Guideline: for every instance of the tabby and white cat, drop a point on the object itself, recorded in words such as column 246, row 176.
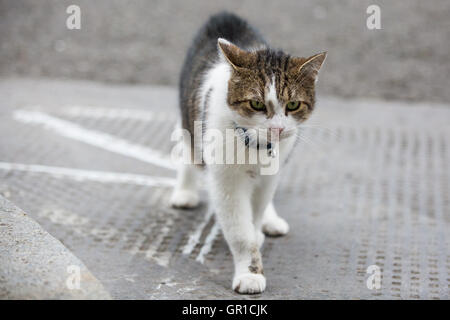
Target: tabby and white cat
column 231, row 79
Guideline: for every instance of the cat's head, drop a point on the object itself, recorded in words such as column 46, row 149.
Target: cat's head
column 270, row 89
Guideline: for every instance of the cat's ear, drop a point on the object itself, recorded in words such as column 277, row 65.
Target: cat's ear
column 309, row 66
column 235, row 56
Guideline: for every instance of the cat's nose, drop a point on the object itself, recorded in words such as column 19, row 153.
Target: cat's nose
column 277, row 129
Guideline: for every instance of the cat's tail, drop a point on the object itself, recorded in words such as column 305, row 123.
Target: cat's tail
column 231, row 27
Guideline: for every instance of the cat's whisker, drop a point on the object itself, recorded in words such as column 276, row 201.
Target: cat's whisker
column 315, row 146
column 329, row 131
column 312, row 137
column 309, row 144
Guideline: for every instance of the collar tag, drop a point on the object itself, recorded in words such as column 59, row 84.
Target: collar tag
column 271, row 153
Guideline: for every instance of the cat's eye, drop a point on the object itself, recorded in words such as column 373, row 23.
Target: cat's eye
column 293, row 105
column 257, row 105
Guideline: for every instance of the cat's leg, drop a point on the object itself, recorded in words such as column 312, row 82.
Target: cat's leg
column 185, row 194
column 272, row 223
column 231, row 196
column 261, row 200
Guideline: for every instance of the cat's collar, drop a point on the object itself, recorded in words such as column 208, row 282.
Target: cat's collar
column 251, row 143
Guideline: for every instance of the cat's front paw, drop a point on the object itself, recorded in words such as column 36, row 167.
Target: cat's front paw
column 249, row 283
column 184, row 199
column 275, row 226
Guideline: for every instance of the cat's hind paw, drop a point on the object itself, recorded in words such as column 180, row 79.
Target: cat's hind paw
column 275, row 226
column 184, row 199
column 249, row 283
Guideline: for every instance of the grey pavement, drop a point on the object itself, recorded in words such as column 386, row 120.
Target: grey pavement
column 145, row 41
column 35, row 265
column 367, row 186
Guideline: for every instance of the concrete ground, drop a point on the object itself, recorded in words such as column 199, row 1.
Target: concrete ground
column 367, row 189
column 35, row 265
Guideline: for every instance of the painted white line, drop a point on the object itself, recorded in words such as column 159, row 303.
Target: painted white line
column 95, row 138
column 112, row 113
column 195, row 236
column 209, row 241
column 89, row 175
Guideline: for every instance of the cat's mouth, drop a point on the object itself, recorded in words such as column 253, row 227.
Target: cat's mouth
column 263, row 134
column 261, row 138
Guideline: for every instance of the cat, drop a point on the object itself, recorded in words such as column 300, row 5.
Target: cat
column 232, row 80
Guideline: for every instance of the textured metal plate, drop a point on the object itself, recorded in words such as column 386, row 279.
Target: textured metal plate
column 367, row 185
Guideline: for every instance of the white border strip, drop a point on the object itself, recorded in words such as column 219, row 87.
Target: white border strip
column 195, row 236
column 95, row 138
column 112, row 113
column 209, row 241
column 90, row 175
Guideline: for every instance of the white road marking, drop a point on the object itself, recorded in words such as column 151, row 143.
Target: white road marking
column 209, row 241
column 195, row 236
column 95, row 138
column 112, row 113
column 108, row 142
column 90, row 175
